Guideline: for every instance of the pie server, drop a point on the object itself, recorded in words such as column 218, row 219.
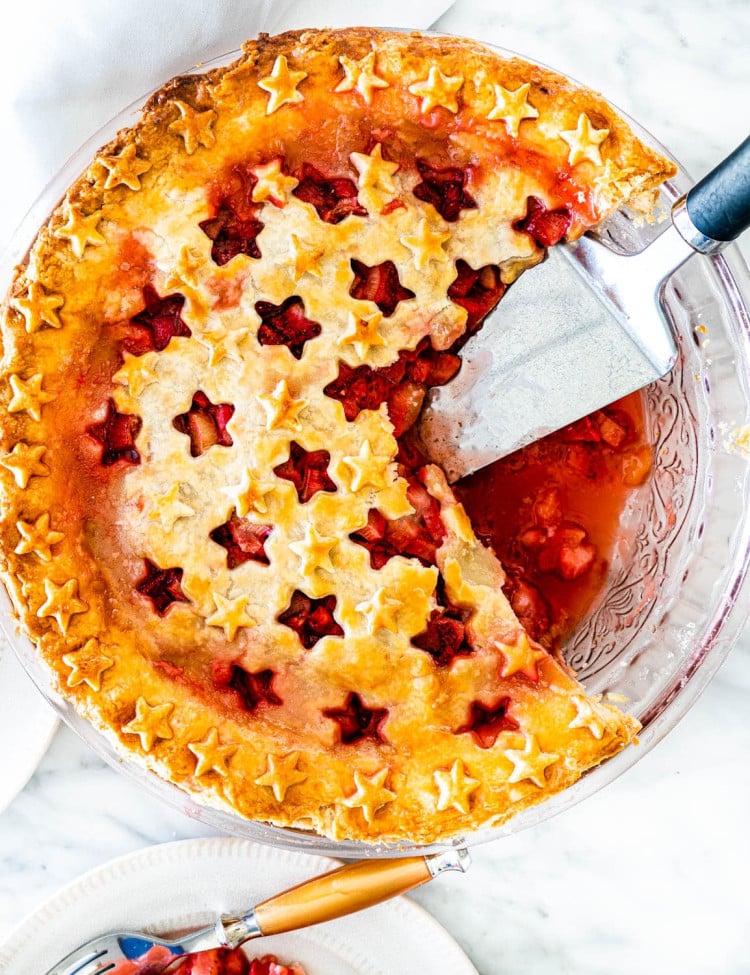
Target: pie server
column 577, row 332
column 345, row 890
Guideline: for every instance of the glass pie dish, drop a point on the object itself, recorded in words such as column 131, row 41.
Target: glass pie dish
column 670, row 608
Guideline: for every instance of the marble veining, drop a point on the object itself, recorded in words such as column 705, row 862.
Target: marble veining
column 650, row 875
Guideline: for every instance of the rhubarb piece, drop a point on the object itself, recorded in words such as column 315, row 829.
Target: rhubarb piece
column 286, row 324
column 205, row 423
column 545, row 227
column 307, row 470
column 311, row 619
column 116, row 433
column 243, row 540
column 333, row 199
column 444, row 189
column 380, row 284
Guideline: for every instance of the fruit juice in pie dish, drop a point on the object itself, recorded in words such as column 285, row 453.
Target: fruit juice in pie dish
column 237, row 570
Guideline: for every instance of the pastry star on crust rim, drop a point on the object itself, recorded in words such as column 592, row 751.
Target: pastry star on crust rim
column 314, row 551
column 529, row 762
column 230, row 615
column 454, row 788
column 512, row 107
column 282, row 773
column 137, row 372
column 360, row 76
column 79, row 230
column 363, row 333
column 282, row 410
column 281, row 85
column 87, row 664
column 425, row 244
column 25, row 461
column 28, row 395
column 584, row 141
column 37, row 538
column 375, row 182
column 61, row 603
column 380, row 611
column 193, row 126
column 587, row 716
column 211, row 756
column 366, row 468
column 126, row 168
column 438, row 89
column 272, row 184
column 38, row 307
column 150, row 723
column 371, row 794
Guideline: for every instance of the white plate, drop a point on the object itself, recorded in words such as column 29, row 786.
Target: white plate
column 27, row 724
column 181, row 885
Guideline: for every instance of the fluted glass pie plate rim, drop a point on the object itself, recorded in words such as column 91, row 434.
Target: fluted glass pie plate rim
column 702, row 657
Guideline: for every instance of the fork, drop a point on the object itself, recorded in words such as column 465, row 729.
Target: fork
column 345, row 890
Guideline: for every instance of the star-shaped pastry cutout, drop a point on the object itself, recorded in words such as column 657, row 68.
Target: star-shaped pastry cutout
column 196, row 128
column 186, row 270
column 368, row 469
column 282, row 774
column 169, row 508
column 211, row 755
column 28, row 395
column 150, row 723
column 437, row 89
column 512, row 107
column 25, row 462
column 376, row 186
column 137, row 372
column 314, row 551
column 281, row 85
column 61, row 603
column 38, row 307
column 230, row 615
column 426, row 244
column 87, row 665
column 584, row 141
column 222, row 343
column 520, row 657
column 360, row 76
column 587, row 716
column 303, row 258
column 529, row 762
column 37, row 538
column 78, row 229
column 250, row 494
column 282, row 410
column 370, row 794
column 125, row 168
column 273, row 185
column 363, row 333
column 454, row 788
column 380, row 612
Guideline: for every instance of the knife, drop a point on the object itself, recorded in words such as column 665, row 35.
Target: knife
column 578, row 331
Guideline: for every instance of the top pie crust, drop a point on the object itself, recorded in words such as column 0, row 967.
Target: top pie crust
column 362, row 734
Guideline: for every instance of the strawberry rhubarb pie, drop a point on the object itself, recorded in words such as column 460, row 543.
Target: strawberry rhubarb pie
column 217, row 527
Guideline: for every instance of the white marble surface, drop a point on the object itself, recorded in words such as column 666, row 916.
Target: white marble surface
column 651, row 874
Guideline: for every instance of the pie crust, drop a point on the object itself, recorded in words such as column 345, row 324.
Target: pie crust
column 203, row 499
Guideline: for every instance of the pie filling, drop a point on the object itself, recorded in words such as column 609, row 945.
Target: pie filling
column 218, row 525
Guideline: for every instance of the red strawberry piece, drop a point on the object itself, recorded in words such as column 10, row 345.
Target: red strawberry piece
column 205, row 423
column 158, row 323
column 162, row 586
column 528, row 604
column 250, row 690
column 478, row 291
column 444, row 189
column 286, row 324
column 356, row 721
column 379, row 283
column 427, row 509
column 231, row 236
column 404, row 404
column 243, row 540
column 307, row 470
column 311, row 619
column 486, row 722
column 444, row 637
column 407, row 536
column 333, row 199
column 545, row 227
column 116, row 433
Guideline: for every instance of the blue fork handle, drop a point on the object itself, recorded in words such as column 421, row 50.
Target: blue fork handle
column 719, row 205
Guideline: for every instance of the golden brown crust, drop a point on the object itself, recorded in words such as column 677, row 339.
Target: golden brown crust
column 362, row 105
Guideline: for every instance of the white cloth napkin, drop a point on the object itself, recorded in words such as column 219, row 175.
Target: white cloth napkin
column 70, row 65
